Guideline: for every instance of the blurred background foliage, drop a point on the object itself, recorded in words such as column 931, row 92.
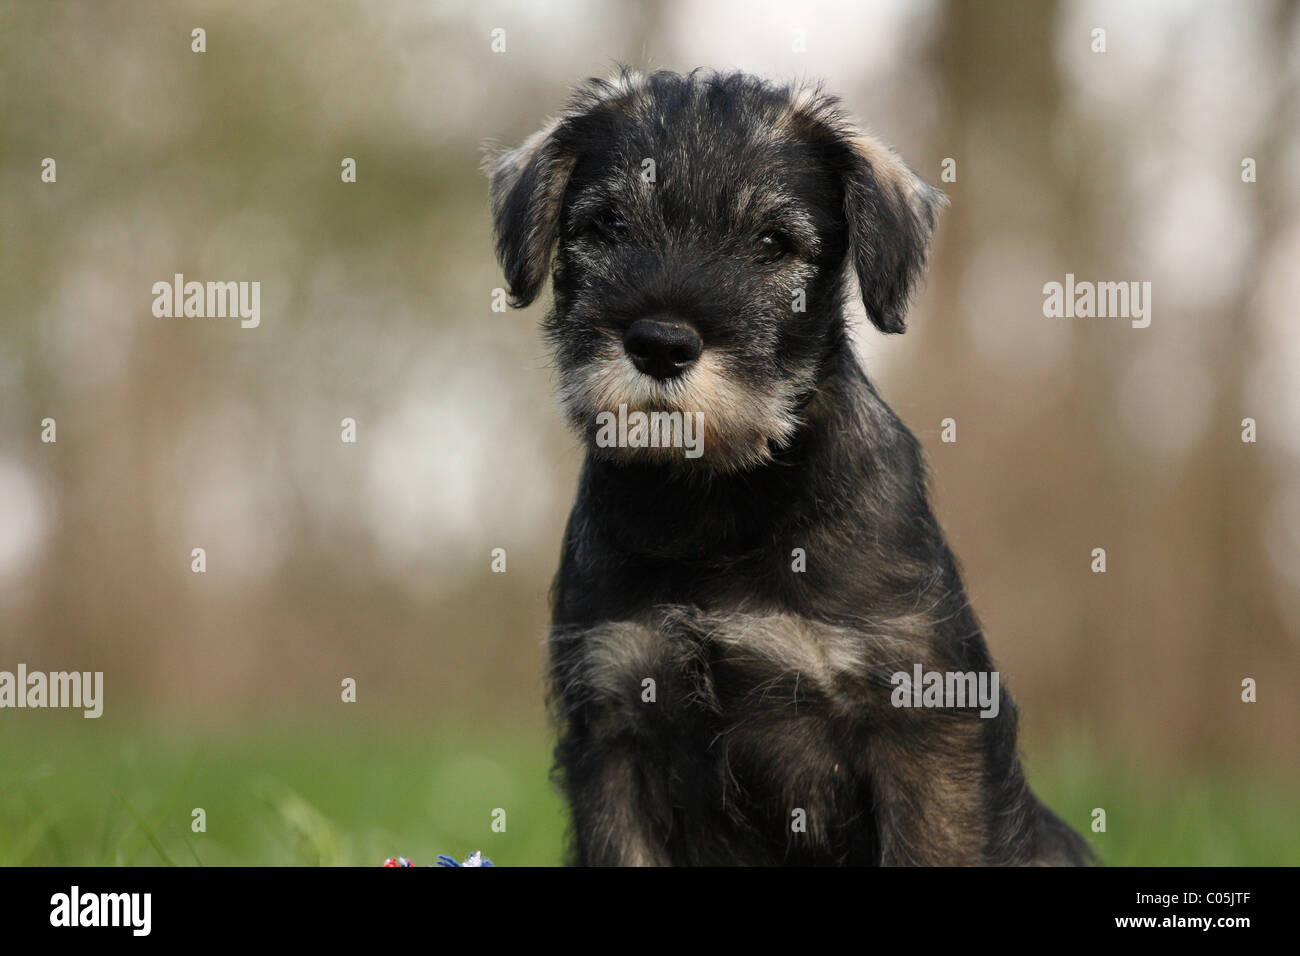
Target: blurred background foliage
column 328, row 560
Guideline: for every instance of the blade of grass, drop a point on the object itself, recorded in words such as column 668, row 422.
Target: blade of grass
column 146, row 830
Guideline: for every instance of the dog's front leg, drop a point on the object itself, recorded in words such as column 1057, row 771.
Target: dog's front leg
column 927, row 786
column 620, row 811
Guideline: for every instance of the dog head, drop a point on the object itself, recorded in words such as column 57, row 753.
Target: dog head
column 699, row 227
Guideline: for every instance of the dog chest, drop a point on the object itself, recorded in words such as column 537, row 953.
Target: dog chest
column 760, row 682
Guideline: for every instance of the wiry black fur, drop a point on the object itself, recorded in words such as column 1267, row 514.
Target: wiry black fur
column 771, row 688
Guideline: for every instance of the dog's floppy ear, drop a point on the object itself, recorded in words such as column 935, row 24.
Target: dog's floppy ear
column 890, row 213
column 527, row 188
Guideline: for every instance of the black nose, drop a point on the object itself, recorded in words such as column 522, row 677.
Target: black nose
column 662, row 348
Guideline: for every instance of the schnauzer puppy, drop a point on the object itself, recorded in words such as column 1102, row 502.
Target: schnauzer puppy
column 754, row 645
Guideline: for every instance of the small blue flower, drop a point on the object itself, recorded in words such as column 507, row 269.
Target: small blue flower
column 474, row 859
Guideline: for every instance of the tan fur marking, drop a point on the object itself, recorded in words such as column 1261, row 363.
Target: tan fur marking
column 740, row 424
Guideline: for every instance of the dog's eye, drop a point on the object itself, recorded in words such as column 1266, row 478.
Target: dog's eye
column 606, row 225
column 772, row 246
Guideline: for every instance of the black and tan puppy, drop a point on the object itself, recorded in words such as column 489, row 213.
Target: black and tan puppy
column 752, row 579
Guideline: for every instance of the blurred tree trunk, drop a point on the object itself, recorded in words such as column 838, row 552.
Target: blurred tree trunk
column 1004, row 105
column 1247, row 635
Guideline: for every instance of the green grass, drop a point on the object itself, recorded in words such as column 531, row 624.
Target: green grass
column 71, row 793
column 327, row 796
column 1157, row 816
